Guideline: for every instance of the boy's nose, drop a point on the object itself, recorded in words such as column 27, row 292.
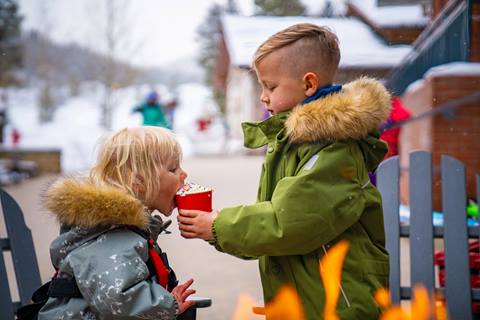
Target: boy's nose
column 264, row 98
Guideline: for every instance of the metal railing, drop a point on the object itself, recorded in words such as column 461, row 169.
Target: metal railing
column 446, row 39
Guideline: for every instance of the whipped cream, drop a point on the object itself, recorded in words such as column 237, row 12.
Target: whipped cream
column 190, row 188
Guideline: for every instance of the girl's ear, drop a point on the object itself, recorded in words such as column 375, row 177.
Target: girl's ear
column 310, row 83
column 139, row 186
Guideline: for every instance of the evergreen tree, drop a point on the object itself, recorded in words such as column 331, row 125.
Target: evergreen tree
column 10, row 50
column 279, row 7
column 209, row 34
column 327, row 10
column 231, row 7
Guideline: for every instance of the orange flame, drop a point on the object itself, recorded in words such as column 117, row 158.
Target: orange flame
column 382, row 297
column 285, row 306
column 396, row 313
column 331, row 272
column 422, row 306
column 244, row 305
column 440, row 308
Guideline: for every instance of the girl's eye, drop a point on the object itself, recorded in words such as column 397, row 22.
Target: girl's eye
column 173, row 170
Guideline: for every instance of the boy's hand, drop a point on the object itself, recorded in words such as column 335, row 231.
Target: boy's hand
column 181, row 292
column 196, row 224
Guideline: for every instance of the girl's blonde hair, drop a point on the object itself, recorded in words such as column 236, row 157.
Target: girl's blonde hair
column 132, row 159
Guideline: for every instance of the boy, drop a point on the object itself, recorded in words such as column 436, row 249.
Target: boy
column 314, row 187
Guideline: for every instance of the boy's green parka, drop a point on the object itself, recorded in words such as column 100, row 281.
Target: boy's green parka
column 314, row 191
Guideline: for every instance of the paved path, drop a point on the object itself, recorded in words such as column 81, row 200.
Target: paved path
column 217, row 275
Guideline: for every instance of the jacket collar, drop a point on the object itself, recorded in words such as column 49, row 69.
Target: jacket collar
column 258, row 134
column 322, row 92
column 358, row 109
column 82, row 203
column 352, row 113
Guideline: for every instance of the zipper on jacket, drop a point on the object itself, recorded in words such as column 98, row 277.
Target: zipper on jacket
column 340, row 284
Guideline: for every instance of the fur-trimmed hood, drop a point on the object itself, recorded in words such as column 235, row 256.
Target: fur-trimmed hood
column 84, row 204
column 358, row 109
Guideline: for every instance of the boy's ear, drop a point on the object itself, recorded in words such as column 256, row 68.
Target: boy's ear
column 310, row 83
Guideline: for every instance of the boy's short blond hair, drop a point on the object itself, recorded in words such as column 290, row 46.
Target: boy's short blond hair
column 309, row 48
column 132, row 158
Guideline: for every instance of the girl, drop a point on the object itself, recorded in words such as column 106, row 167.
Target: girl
column 107, row 260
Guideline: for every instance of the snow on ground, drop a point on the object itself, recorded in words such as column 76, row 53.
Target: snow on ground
column 76, row 127
column 196, row 102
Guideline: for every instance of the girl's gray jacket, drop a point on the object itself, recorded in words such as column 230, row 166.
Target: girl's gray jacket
column 107, row 262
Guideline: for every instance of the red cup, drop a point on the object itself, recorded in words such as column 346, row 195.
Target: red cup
column 195, row 201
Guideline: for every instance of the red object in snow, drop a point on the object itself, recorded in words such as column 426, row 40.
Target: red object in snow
column 15, row 137
column 391, row 136
column 203, row 124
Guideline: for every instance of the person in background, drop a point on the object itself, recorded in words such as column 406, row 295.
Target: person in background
column 392, row 135
column 153, row 112
column 3, row 114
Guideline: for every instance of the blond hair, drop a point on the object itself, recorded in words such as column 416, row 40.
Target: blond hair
column 132, row 158
column 309, row 48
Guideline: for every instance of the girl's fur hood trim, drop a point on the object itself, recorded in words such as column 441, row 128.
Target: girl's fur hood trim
column 359, row 108
column 82, row 203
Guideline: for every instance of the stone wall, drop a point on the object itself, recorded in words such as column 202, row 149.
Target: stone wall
column 48, row 160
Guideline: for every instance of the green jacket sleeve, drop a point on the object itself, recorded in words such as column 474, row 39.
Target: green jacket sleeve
column 306, row 210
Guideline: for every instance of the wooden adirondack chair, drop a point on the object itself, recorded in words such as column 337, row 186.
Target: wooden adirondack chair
column 421, row 232
column 19, row 242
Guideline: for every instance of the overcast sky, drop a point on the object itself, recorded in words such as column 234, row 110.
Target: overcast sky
column 157, row 32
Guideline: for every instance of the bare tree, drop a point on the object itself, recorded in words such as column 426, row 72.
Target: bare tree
column 112, row 73
column 44, row 64
column 10, row 48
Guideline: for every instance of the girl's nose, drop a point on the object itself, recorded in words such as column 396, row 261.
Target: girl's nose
column 183, row 175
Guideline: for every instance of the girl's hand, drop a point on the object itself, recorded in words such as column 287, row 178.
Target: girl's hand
column 196, row 224
column 181, row 292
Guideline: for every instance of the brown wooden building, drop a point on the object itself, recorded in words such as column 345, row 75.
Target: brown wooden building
column 445, row 101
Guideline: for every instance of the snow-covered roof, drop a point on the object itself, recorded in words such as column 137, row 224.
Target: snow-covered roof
column 455, row 68
column 392, row 16
column 459, row 68
column 359, row 45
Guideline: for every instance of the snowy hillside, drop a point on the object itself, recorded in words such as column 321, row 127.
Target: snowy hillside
column 76, row 130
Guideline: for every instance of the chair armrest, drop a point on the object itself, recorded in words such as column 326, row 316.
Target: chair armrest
column 200, row 302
